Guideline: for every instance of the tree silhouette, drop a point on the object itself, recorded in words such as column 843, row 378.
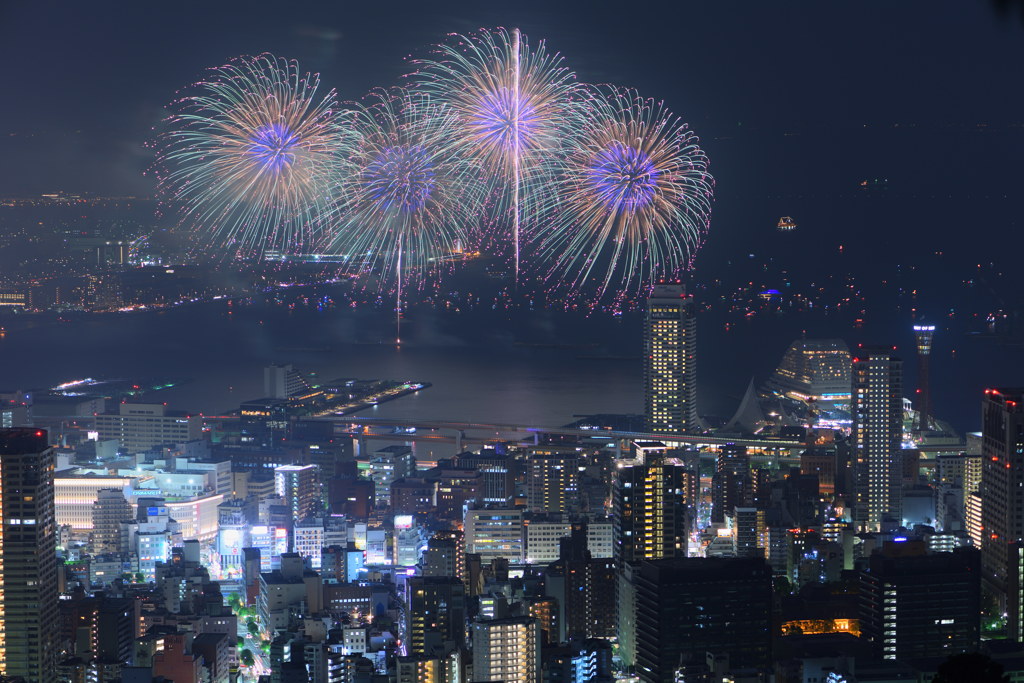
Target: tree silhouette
column 971, row 667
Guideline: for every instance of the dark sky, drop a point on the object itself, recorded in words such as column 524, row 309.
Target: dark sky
column 84, row 83
column 795, row 102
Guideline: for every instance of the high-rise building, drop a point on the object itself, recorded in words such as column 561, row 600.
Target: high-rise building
column 494, row 533
column 552, row 481
column 456, row 488
column 584, row 589
column 650, row 512
column 498, row 474
column 412, row 495
column 670, row 362
column 731, row 485
column 437, row 613
column 650, row 522
column 108, row 512
column 387, row 466
column 750, row 536
column 1002, row 489
column 351, row 496
column 445, row 555
column 141, row 426
column 923, row 334
column 28, row 557
column 282, row 381
column 687, row 607
column 300, row 487
column 915, row 605
column 877, row 436
column 507, row 650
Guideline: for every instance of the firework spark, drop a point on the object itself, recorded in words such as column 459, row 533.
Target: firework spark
column 247, row 156
column 516, row 106
column 633, row 198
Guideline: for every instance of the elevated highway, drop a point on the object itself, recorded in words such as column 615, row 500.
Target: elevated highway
column 523, row 431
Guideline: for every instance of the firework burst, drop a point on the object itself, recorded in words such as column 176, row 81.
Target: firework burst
column 516, row 106
column 633, row 198
column 412, row 197
column 248, row 154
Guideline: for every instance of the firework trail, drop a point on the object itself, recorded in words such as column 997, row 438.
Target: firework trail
column 633, row 198
column 412, row 197
column 516, row 106
column 248, row 154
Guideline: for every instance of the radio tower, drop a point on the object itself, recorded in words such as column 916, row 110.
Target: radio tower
column 924, row 334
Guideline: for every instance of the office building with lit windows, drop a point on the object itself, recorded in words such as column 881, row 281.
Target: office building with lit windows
column 299, row 485
column 670, row 362
column 436, row 617
column 1002, row 493
column 29, row 625
column 552, row 481
column 916, row 605
column 495, row 533
column 877, row 436
column 507, row 650
column 650, row 522
column 688, row 607
column 139, row 427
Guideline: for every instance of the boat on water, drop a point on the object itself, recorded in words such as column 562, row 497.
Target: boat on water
column 786, row 223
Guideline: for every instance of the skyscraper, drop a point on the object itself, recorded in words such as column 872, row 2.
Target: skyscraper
column 28, row 557
column 650, row 512
column 552, row 481
column 923, row 335
column 437, row 613
column 670, row 362
column 901, row 615
column 1002, row 491
column 650, row 523
column 731, row 484
column 300, row 487
column 584, row 589
column 687, row 607
column 877, row 435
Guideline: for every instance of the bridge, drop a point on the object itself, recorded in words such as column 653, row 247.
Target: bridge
column 514, row 431
column 461, row 428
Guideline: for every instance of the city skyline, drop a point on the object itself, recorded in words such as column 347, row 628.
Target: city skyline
column 471, row 380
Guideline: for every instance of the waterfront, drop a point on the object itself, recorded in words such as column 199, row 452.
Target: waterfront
column 524, row 366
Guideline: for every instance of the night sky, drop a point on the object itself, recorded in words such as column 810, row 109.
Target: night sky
column 787, row 97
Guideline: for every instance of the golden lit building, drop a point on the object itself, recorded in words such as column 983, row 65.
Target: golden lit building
column 670, row 362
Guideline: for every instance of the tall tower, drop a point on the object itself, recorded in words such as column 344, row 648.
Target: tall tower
column 878, row 435
column 1002, row 494
column 29, row 627
column 924, row 334
column 670, row 362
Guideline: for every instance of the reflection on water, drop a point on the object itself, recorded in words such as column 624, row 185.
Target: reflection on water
column 538, row 367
